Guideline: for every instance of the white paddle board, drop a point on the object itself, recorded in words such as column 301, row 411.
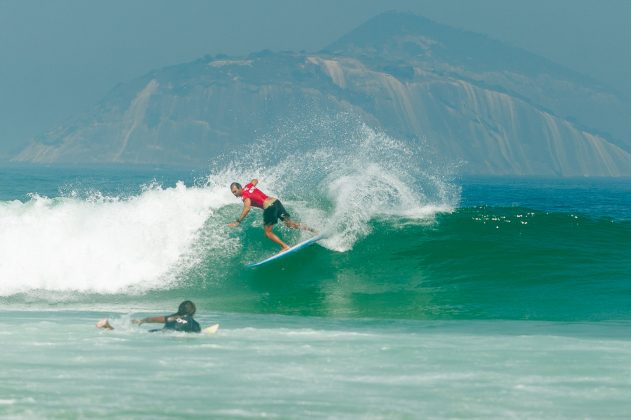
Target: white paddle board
column 211, row 329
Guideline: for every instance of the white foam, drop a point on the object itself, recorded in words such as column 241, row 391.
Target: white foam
column 101, row 244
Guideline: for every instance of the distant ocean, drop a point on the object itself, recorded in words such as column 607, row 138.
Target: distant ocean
column 432, row 296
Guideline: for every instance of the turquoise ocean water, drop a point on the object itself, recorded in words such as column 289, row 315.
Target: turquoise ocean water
column 432, row 296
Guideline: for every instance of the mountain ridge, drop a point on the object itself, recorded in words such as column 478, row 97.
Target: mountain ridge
column 500, row 120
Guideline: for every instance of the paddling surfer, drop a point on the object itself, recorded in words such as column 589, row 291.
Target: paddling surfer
column 181, row 321
column 273, row 210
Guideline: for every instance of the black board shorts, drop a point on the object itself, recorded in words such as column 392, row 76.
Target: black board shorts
column 274, row 212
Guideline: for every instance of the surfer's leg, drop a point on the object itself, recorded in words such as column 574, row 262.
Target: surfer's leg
column 283, row 215
column 291, row 224
column 271, row 235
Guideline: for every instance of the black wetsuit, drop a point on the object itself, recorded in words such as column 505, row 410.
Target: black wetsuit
column 181, row 323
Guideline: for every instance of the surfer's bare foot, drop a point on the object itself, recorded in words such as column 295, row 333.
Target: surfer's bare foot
column 283, row 249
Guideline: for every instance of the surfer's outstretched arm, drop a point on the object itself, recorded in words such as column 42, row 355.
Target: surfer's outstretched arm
column 247, row 205
column 105, row 323
column 151, row 320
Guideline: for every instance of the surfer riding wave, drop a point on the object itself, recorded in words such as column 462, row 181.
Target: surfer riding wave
column 273, row 210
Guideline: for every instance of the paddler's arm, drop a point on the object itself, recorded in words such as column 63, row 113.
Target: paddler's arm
column 254, row 182
column 247, row 205
column 151, row 319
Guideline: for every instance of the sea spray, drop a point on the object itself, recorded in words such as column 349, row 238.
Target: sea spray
column 341, row 174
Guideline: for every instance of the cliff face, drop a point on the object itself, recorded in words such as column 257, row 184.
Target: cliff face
column 500, row 110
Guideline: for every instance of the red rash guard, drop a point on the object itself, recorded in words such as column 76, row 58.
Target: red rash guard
column 255, row 195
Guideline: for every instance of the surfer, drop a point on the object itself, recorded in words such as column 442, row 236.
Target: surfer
column 273, row 210
column 181, row 321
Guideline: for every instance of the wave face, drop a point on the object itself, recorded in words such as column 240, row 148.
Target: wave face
column 400, row 243
column 474, row 263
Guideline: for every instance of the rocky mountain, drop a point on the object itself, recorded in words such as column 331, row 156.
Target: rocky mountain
column 499, row 109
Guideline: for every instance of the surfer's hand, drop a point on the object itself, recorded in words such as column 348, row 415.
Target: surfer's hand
column 233, row 224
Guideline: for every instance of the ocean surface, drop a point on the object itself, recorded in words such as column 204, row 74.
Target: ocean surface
column 431, row 296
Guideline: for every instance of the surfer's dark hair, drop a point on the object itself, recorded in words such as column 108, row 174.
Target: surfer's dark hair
column 235, row 184
column 186, row 308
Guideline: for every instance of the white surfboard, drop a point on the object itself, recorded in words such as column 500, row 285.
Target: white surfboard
column 211, row 329
column 291, row 250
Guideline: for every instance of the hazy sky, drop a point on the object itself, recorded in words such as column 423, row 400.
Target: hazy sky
column 60, row 57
